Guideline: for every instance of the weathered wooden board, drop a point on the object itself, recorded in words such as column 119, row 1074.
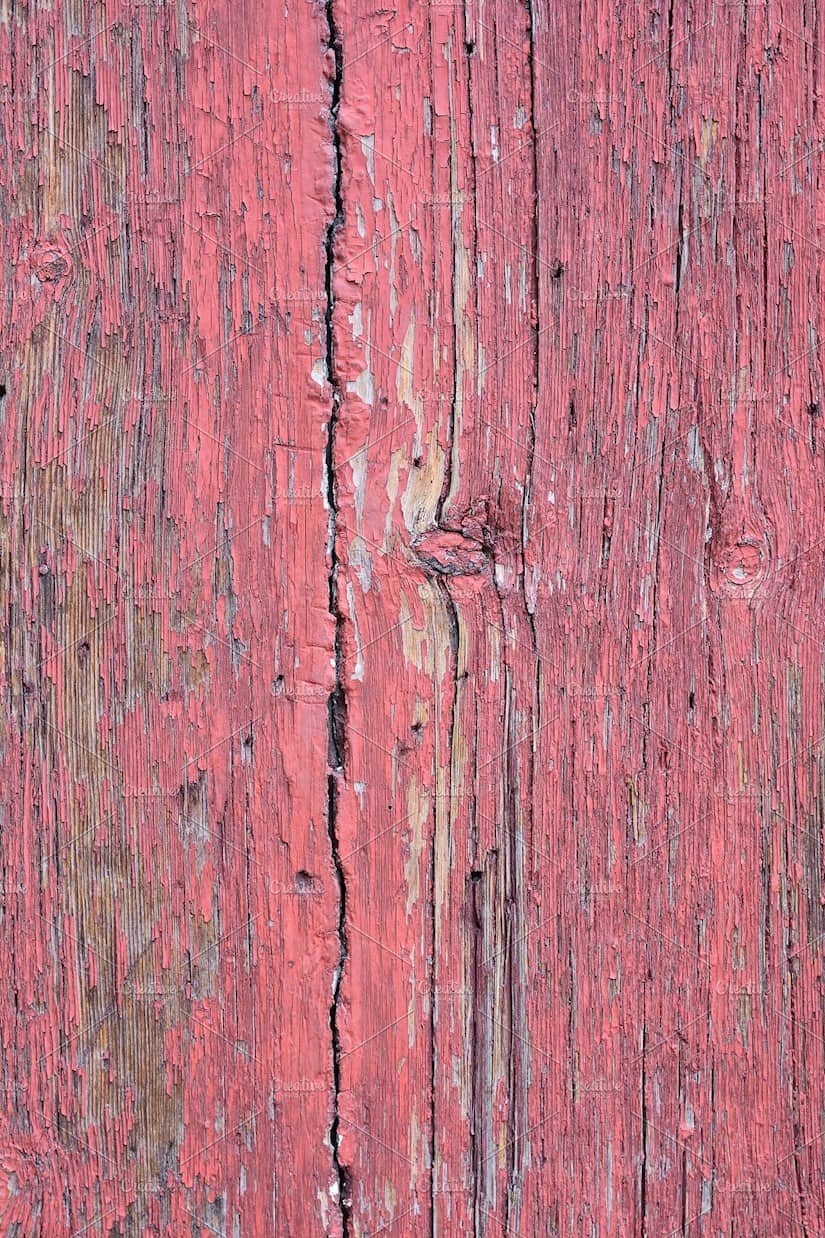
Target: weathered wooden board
column 413, row 558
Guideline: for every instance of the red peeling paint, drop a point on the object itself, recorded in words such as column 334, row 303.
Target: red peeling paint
column 412, row 805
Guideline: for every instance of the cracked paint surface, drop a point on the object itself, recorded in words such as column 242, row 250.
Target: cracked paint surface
column 412, row 801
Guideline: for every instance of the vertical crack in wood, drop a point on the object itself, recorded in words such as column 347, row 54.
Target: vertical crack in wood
column 455, row 643
column 337, row 701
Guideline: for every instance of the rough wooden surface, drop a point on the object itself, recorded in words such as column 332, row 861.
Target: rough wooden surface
column 413, row 467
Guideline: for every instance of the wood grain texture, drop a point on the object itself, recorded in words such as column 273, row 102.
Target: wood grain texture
column 411, row 816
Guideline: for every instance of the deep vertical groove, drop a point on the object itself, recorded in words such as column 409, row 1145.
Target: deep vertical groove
column 337, row 699
column 344, row 1200
column 455, row 644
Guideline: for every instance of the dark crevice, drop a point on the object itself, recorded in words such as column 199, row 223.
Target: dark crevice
column 478, row 914
column 680, row 256
column 344, row 1180
column 337, row 719
column 506, row 884
column 337, row 705
column 455, row 644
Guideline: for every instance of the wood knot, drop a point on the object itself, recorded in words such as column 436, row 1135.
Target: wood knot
column 741, row 567
column 49, row 263
column 450, row 553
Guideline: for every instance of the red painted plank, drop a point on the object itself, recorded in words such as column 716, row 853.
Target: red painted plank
column 411, row 814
